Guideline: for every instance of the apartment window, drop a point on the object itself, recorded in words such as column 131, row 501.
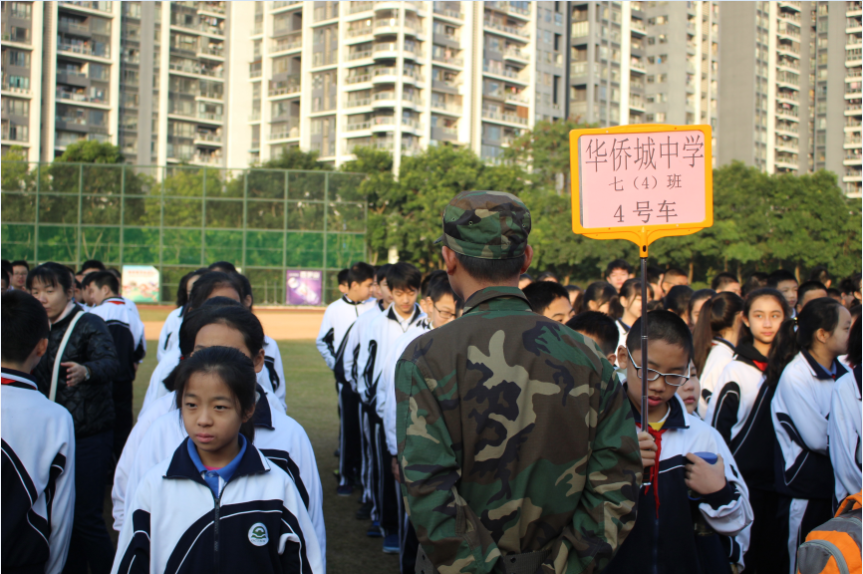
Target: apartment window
column 557, row 38
column 556, row 88
column 21, row 10
column 657, row 20
column 19, row 58
column 658, row 117
column 662, row 38
column 16, row 107
column 18, row 34
column 22, row 82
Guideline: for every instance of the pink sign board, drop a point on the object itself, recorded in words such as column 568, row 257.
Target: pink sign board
column 646, row 178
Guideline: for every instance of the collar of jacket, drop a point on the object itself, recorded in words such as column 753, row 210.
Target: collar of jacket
column 182, row 465
column 820, row 372
column 67, row 315
column 391, row 314
column 726, row 342
column 19, row 379
column 676, row 418
column 114, row 301
column 497, row 299
column 752, row 356
column 349, row 302
column 263, row 416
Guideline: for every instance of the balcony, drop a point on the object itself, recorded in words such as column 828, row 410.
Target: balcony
column 97, row 6
column 517, row 54
column 358, row 102
column 84, row 50
column 360, row 7
column 280, row 5
column 285, row 43
column 358, row 78
column 360, row 31
column 191, row 67
column 506, row 73
column 291, row 131
column 81, row 97
column 518, row 33
column 285, row 87
column 359, row 54
column 446, row 107
column 204, row 138
column 448, row 13
column 509, row 8
column 73, row 28
column 578, row 69
column 637, row 27
column 17, row 90
column 503, row 117
column 580, row 29
column 15, row 133
column 448, row 60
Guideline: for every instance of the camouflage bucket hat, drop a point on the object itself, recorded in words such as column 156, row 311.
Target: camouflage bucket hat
column 486, row 225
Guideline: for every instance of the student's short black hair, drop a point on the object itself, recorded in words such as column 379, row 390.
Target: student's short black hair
column 4, row 264
column 543, row 293
column 572, row 287
column 360, row 272
column 92, row 264
column 404, row 276
column 780, row 275
column 342, row 276
column 525, row 276
column 5, row 276
column 808, row 286
column 50, row 274
column 546, row 275
column 246, row 285
column 222, row 310
column 758, row 280
column 654, row 306
column 598, row 326
column 617, row 264
column 833, row 292
column 819, row 273
column 101, row 279
column 234, row 368
column 654, row 273
column 380, row 272
column 662, row 326
column 115, row 273
column 674, row 272
column 700, row 295
column 208, row 282
column 183, row 287
column 433, row 277
column 677, row 300
column 723, row 279
column 491, row 270
column 439, row 288
column 855, row 343
column 19, row 263
column 223, row 266
column 24, row 324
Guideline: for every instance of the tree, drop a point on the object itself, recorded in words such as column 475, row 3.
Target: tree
column 294, row 158
column 544, row 151
column 91, row 151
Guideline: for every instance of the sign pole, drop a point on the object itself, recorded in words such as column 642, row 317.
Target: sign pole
column 644, row 421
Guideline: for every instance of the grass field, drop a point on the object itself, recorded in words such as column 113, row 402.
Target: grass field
column 311, row 399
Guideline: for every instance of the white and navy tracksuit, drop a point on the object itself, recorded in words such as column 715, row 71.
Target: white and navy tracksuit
column 169, row 337
column 721, row 353
column 664, row 539
column 622, row 332
column 386, row 411
column 277, row 435
column 383, row 333
column 271, row 377
column 844, row 432
column 248, row 518
column 137, row 328
column 804, row 474
column 38, row 477
column 119, row 319
column 338, row 321
column 353, row 371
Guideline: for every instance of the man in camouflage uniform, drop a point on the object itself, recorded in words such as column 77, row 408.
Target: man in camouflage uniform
column 515, row 438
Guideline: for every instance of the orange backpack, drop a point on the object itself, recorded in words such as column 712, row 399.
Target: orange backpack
column 835, row 546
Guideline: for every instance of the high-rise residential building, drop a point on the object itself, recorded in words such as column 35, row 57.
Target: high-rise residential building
column 836, row 73
column 790, row 87
column 21, row 91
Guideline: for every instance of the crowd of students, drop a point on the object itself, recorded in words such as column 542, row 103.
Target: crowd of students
column 214, row 474
column 753, row 426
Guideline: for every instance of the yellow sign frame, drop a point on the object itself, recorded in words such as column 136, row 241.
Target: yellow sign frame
column 641, row 235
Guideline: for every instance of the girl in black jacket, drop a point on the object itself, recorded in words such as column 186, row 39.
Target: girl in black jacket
column 88, row 367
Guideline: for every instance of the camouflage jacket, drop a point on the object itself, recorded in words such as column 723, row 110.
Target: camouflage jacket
column 514, row 436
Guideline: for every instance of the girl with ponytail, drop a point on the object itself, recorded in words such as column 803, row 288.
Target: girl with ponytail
column 715, row 339
column 740, row 410
column 803, row 369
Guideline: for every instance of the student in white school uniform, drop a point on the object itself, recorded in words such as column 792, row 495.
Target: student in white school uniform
column 715, row 338
column 442, row 307
column 171, row 327
column 217, row 503
column 843, row 428
column 687, row 503
column 739, row 410
column 338, row 321
column 245, row 326
column 38, row 485
column 404, row 281
column 804, row 368
column 383, row 299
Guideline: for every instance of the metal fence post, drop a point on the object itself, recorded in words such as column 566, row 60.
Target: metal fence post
column 204, row 219
column 326, row 229
column 80, row 209
column 284, row 277
column 36, row 223
column 161, row 227
column 122, row 210
column 245, row 217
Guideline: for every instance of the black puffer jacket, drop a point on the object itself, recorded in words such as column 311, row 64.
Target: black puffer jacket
column 91, row 345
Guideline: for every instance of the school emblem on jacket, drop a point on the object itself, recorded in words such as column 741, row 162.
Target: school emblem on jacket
column 258, row 534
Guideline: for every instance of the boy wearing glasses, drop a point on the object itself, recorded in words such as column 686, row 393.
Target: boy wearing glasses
column 686, row 502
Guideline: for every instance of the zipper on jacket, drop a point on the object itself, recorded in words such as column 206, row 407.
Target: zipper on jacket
column 217, row 502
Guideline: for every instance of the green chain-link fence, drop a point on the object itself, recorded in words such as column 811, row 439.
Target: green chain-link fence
column 180, row 218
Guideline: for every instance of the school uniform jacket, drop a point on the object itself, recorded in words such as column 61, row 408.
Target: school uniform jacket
column 277, row 435
column 356, row 341
column 844, row 433
column 158, row 407
column 169, row 337
column 800, row 409
column 739, row 410
column 271, row 375
column 137, row 328
column 386, row 391
column 384, row 331
column 119, row 320
column 258, row 523
column 721, row 353
column 335, row 328
column 663, row 540
column 38, row 477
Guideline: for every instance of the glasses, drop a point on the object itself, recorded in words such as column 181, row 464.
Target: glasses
column 445, row 315
column 672, row 380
